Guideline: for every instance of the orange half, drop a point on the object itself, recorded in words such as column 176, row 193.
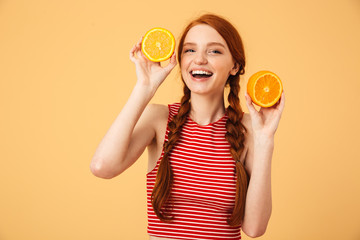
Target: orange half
column 264, row 88
column 158, row 44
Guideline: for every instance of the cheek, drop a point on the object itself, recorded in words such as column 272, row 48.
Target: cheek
column 183, row 70
column 184, row 65
column 224, row 68
column 184, row 61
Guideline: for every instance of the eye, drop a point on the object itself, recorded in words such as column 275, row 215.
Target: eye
column 188, row 50
column 215, row 51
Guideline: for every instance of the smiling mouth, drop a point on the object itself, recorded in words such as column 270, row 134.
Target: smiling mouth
column 201, row 74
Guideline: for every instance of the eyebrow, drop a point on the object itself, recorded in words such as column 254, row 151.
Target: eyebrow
column 209, row 44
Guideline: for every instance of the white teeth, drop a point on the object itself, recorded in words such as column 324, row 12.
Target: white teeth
column 200, row 72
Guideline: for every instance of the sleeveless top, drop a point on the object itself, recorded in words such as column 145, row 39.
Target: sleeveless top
column 204, row 187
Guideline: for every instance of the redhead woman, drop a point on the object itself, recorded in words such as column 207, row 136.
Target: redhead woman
column 209, row 166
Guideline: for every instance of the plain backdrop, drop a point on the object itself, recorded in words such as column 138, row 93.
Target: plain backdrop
column 65, row 75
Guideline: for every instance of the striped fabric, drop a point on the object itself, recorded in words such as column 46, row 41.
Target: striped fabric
column 203, row 194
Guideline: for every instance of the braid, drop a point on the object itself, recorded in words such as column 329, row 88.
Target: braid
column 164, row 177
column 236, row 137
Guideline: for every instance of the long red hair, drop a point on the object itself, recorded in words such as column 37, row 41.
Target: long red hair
column 235, row 129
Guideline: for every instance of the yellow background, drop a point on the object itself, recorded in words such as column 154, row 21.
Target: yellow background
column 65, row 74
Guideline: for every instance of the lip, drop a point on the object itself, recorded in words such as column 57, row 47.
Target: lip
column 203, row 79
column 200, row 69
column 200, row 79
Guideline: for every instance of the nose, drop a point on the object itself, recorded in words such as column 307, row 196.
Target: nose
column 200, row 58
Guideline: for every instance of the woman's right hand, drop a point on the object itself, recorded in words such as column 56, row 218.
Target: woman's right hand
column 150, row 74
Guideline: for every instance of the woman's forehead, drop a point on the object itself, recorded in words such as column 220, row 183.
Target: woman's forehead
column 203, row 33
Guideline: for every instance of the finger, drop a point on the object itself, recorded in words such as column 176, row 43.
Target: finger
column 140, row 40
column 132, row 53
column 173, row 58
column 135, row 50
column 281, row 104
column 141, row 55
column 172, row 63
column 281, row 101
column 139, row 51
column 139, row 43
column 249, row 104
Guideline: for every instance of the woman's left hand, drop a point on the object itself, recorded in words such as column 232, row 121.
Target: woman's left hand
column 265, row 121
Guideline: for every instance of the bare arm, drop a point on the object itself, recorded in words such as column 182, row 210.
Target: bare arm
column 133, row 129
column 119, row 149
column 258, row 205
column 262, row 128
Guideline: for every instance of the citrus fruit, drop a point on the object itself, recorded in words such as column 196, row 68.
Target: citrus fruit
column 158, row 44
column 264, row 88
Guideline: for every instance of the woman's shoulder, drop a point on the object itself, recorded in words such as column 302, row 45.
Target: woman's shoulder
column 162, row 113
column 157, row 110
column 163, row 107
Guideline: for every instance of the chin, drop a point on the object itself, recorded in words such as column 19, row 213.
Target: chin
column 203, row 90
column 197, row 88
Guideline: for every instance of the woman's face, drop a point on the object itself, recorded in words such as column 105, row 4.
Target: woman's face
column 206, row 61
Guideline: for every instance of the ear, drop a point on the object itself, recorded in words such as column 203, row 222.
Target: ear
column 235, row 69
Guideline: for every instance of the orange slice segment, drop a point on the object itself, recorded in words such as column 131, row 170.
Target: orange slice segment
column 158, row 44
column 264, row 88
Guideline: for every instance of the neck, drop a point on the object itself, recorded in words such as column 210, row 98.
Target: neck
column 207, row 109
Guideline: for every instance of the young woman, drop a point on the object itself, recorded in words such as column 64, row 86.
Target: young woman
column 209, row 170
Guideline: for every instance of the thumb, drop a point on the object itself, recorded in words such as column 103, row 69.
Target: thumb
column 249, row 104
column 172, row 63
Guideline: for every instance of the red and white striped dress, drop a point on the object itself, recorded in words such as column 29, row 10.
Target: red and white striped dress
column 203, row 194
